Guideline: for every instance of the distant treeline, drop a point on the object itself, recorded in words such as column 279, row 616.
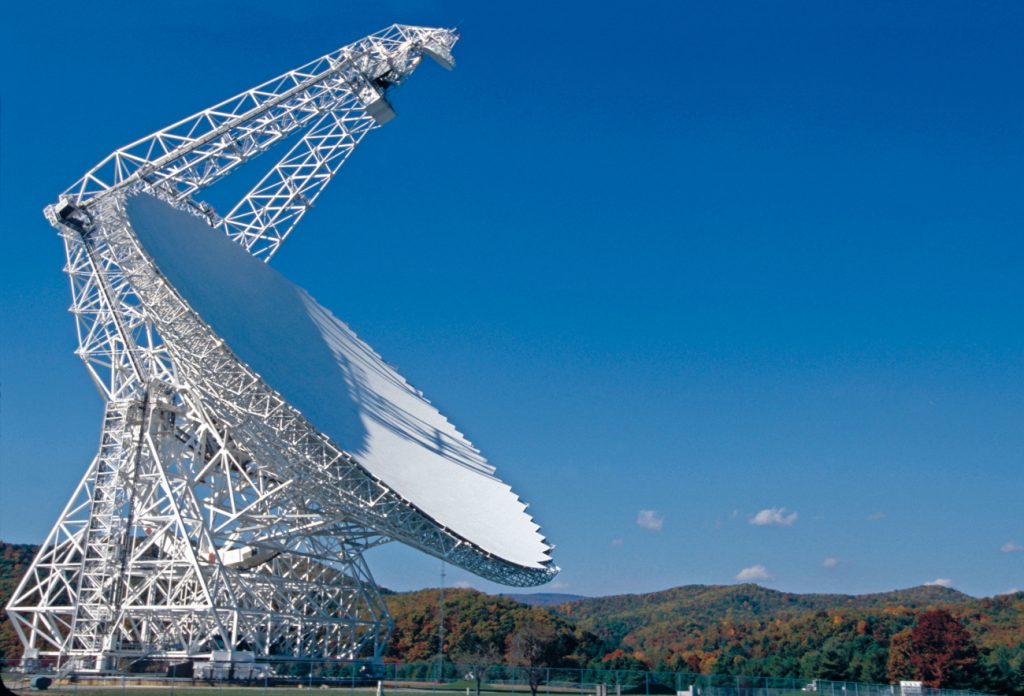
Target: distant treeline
column 934, row 634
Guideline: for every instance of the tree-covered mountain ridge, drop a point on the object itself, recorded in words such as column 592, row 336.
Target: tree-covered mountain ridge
column 746, row 630
column 697, row 617
column 750, row 601
column 776, row 633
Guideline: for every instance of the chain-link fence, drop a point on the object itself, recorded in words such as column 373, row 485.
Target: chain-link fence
column 155, row 678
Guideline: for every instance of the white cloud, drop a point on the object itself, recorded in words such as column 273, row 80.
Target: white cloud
column 776, row 516
column 1012, row 590
column 464, row 585
column 616, row 542
column 650, row 519
column 876, row 516
column 1011, row 547
column 830, row 563
column 754, row 572
column 940, row 582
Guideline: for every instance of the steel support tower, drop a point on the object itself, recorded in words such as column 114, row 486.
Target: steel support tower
column 188, row 533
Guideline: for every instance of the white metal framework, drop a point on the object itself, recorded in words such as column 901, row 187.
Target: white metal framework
column 214, row 516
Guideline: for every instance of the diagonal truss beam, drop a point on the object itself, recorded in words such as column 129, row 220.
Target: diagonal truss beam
column 191, row 154
column 270, row 211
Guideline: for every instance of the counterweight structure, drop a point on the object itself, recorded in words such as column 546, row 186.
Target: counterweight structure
column 214, row 516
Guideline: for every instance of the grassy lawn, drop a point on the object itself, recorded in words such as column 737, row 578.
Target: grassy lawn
column 255, row 690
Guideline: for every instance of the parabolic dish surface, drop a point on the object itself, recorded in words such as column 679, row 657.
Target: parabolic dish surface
column 337, row 381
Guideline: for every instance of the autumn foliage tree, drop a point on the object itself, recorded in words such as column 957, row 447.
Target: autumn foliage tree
column 14, row 561
column 536, row 645
column 901, row 649
column 938, row 651
column 944, row 655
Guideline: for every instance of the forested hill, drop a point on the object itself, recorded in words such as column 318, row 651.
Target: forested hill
column 727, row 629
column 745, row 602
column 744, row 630
column 747, row 629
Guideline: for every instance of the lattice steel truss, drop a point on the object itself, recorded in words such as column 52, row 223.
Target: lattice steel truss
column 214, row 516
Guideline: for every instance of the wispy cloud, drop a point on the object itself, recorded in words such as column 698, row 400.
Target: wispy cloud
column 830, row 563
column 1012, row 590
column 650, row 519
column 616, row 542
column 940, row 582
column 464, row 585
column 1011, row 547
column 876, row 516
column 776, row 516
column 754, row 572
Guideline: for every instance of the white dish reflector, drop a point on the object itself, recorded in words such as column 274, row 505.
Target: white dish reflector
column 337, row 381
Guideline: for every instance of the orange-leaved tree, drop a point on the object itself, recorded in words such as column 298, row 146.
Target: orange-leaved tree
column 944, row 654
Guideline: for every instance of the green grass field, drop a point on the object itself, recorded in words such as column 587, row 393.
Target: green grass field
column 187, row 688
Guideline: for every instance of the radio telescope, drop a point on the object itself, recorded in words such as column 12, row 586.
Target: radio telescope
column 252, row 447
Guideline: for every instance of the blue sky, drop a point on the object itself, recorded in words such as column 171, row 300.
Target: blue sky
column 677, row 269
